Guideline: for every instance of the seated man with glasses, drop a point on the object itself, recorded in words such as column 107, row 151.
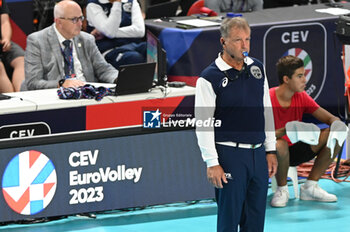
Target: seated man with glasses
column 63, row 55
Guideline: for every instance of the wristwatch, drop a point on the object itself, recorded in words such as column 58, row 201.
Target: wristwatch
column 60, row 82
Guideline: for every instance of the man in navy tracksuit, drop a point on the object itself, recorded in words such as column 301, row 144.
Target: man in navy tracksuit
column 240, row 153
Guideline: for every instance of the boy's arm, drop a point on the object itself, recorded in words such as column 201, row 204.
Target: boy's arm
column 280, row 132
column 324, row 116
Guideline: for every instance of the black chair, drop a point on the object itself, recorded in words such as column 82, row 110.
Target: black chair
column 338, row 160
column 166, row 9
column 185, row 6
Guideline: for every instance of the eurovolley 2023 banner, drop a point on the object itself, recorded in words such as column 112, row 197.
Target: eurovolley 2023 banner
column 101, row 174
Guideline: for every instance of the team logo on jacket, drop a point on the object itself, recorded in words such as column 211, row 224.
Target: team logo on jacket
column 29, row 182
column 127, row 7
column 256, row 72
column 308, row 41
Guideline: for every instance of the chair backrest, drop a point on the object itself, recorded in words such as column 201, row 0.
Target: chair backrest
column 185, row 6
column 199, row 8
column 195, row 8
column 18, row 36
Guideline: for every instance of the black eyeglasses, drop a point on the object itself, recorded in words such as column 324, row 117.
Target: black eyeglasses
column 75, row 19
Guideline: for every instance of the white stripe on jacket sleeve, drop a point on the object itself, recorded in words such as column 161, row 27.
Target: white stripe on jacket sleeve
column 204, row 109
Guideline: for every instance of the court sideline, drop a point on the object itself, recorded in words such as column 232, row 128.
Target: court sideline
column 201, row 217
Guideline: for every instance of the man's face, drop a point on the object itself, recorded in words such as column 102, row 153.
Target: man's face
column 298, row 81
column 238, row 42
column 68, row 28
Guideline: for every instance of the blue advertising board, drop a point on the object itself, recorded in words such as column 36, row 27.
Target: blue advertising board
column 101, row 174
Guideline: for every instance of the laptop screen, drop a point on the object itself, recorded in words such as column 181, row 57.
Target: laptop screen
column 155, row 53
column 135, row 78
column 152, row 51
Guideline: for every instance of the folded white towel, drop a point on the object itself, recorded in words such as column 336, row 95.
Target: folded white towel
column 301, row 131
column 338, row 131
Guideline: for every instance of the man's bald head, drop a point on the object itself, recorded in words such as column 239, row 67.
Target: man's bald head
column 62, row 7
column 68, row 18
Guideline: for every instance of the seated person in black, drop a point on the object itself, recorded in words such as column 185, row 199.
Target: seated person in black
column 118, row 27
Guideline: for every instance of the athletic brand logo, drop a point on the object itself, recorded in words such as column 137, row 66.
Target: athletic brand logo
column 151, row 119
column 29, row 182
column 224, row 82
column 256, row 72
column 307, row 41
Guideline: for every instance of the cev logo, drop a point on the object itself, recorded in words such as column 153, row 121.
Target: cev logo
column 307, row 41
column 29, row 182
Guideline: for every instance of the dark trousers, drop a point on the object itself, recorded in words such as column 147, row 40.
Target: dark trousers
column 243, row 200
column 127, row 54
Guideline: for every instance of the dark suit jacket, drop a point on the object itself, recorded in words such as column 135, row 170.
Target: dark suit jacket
column 44, row 60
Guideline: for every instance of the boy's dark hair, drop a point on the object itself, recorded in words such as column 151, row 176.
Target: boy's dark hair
column 287, row 65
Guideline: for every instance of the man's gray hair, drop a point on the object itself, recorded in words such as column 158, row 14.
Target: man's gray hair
column 229, row 23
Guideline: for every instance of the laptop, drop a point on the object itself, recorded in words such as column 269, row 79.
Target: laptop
column 166, row 9
column 134, row 78
column 4, row 97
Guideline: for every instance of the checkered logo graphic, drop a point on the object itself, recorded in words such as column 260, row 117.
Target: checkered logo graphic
column 302, row 54
column 151, row 119
column 29, row 182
